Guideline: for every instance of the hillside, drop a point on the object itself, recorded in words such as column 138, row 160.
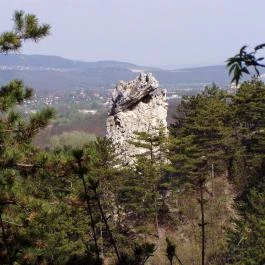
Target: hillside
column 56, row 73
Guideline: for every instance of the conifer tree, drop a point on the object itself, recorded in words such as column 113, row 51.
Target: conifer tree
column 81, row 171
column 99, row 175
column 248, row 108
column 142, row 192
column 26, row 27
column 199, row 140
column 246, row 239
column 16, row 133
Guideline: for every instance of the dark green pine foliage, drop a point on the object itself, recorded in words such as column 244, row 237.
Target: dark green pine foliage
column 26, row 27
column 199, row 142
column 17, row 153
column 247, row 239
column 100, row 179
column 143, row 193
column 102, row 184
column 153, row 144
column 58, row 229
column 81, row 171
column 16, row 133
column 248, row 108
column 201, row 133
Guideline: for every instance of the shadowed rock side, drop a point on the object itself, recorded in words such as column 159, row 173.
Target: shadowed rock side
column 137, row 106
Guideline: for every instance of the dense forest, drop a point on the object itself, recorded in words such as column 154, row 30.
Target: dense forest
column 201, row 202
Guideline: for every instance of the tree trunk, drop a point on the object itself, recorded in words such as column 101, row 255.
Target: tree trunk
column 89, row 212
column 112, row 241
column 202, row 224
column 101, row 242
column 212, row 177
column 156, row 213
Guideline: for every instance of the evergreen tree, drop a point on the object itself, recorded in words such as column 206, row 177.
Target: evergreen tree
column 198, row 149
column 248, row 108
column 26, row 27
column 16, row 134
column 99, row 175
column 143, row 190
column 246, row 240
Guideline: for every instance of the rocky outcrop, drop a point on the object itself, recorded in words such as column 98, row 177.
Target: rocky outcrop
column 137, row 106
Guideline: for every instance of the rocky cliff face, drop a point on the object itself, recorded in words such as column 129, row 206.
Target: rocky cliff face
column 137, row 106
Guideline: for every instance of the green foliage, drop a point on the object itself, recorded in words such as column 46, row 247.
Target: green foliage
column 200, row 147
column 143, row 191
column 153, row 145
column 13, row 93
column 26, row 27
column 19, row 240
column 77, row 204
column 240, row 63
column 248, row 107
column 247, row 240
column 141, row 253
column 200, row 136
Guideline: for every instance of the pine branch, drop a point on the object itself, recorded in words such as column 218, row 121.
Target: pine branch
column 26, row 27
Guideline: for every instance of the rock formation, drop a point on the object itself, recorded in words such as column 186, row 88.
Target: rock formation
column 137, row 106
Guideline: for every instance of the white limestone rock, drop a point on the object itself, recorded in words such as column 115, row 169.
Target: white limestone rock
column 137, row 106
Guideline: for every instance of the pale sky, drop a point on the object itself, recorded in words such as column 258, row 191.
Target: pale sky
column 146, row 32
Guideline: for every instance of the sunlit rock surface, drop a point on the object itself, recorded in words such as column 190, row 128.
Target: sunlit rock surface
column 137, row 106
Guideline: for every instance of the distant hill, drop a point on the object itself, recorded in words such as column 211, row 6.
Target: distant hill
column 200, row 75
column 56, row 73
column 45, row 61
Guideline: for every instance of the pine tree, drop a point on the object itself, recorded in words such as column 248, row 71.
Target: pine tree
column 16, row 133
column 248, row 108
column 246, row 240
column 26, row 27
column 96, row 167
column 199, row 143
column 142, row 193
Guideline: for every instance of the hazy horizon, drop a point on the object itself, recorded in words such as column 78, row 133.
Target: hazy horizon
column 166, row 34
column 164, row 67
